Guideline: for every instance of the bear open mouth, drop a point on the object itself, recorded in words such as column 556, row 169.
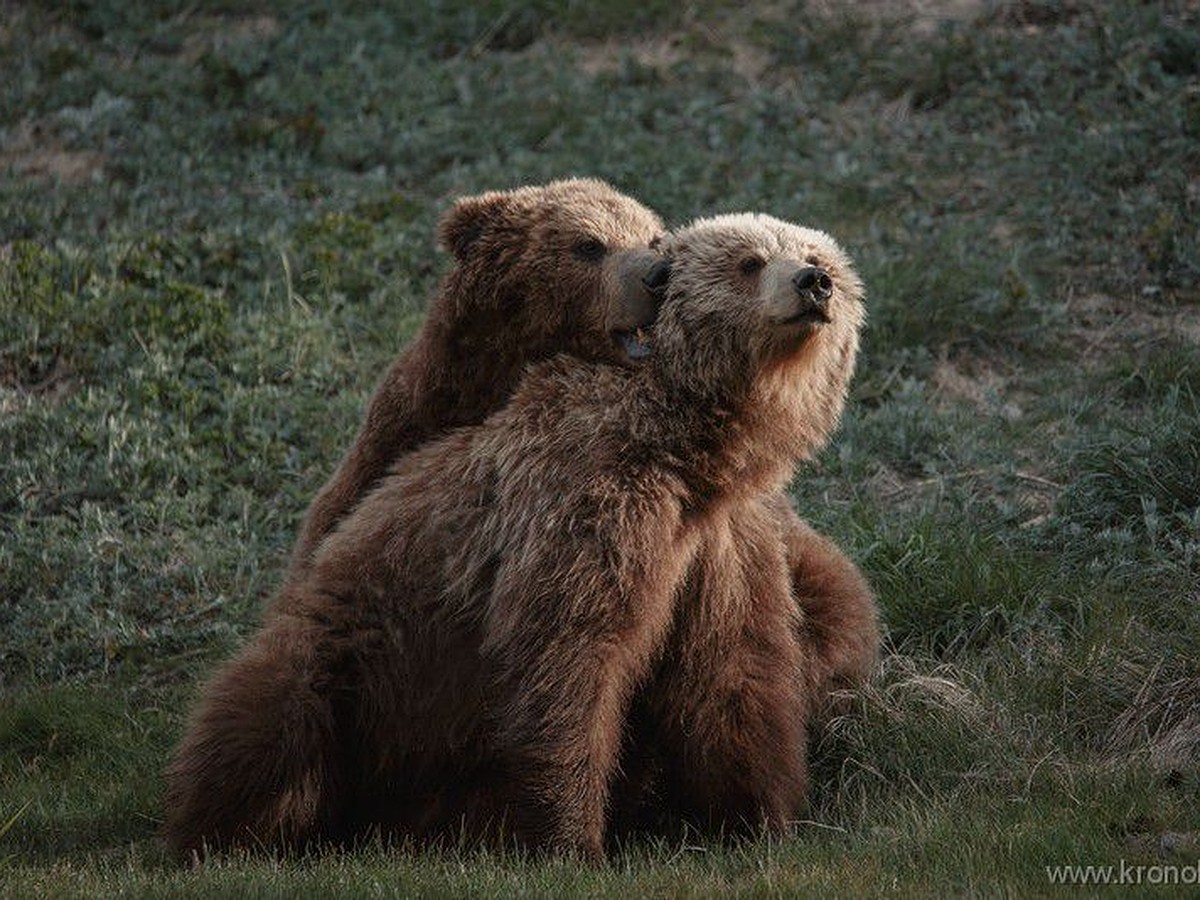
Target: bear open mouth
column 638, row 343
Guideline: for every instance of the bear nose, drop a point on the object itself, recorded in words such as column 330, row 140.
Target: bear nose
column 655, row 281
column 814, row 283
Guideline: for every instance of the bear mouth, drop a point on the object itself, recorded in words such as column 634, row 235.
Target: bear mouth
column 638, row 343
column 810, row 316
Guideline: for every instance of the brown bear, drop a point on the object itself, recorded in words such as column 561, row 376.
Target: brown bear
column 485, row 615
column 537, row 271
column 541, row 270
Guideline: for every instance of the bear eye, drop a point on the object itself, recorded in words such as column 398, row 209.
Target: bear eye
column 751, row 264
column 590, row 249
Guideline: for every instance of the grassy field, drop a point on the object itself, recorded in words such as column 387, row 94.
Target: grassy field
column 216, row 227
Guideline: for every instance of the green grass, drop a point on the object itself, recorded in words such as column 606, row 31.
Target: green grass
column 216, row 228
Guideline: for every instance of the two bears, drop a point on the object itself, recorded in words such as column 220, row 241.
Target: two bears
column 511, row 627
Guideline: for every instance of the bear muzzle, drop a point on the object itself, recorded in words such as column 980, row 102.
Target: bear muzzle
column 642, row 282
column 803, row 299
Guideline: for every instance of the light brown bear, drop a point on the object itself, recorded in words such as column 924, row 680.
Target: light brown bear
column 539, row 270
column 486, row 614
column 722, row 733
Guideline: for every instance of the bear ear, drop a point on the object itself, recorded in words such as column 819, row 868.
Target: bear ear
column 467, row 219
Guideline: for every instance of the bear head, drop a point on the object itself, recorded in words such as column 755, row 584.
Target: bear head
column 562, row 267
column 764, row 316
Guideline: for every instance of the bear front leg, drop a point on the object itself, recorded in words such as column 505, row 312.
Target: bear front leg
column 734, row 723
column 567, row 658
column 257, row 765
column 840, row 619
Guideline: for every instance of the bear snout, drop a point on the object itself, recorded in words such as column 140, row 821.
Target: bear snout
column 814, row 282
column 812, row 288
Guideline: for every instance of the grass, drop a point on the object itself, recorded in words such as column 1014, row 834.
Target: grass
column 217, row 229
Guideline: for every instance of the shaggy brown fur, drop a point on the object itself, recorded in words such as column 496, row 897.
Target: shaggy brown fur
column 538, row 271
column 719, row 734
column 526, row 285
column 736, row 617
column 486, row 614
column 839, row 618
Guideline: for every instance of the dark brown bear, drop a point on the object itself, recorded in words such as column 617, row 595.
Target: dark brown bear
column 538, row 270
column 485, row 615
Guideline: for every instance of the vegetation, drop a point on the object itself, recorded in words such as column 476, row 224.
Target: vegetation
column 217, row 228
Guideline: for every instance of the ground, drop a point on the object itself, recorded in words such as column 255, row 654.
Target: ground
column 218, row 227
